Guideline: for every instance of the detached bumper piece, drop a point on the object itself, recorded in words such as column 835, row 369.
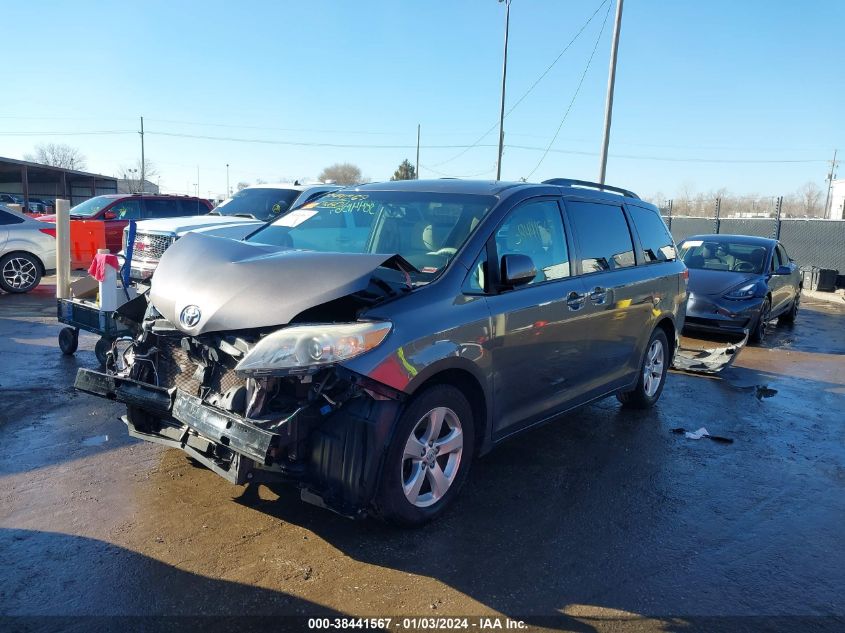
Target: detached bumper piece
column 709, row 360
column 226, row 443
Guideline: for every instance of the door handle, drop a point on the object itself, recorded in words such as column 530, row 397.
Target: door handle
column 576, row 300
column 598, row 295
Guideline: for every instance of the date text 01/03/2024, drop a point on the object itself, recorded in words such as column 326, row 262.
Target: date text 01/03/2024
column 479, row 623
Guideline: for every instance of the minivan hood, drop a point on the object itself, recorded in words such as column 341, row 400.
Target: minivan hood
column 237, row 285
column 717, row 282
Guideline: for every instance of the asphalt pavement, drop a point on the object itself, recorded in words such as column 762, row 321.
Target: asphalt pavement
column 602, row 520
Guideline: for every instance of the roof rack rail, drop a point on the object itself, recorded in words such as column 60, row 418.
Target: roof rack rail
column 568, row 182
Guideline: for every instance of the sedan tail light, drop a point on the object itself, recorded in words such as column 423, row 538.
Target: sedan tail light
column 50, row 232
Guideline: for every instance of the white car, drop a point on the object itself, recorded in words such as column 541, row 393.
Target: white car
column 27, row 251
column 234, row 218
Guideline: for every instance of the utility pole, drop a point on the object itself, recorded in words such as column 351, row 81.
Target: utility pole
column 611, row 80
column 143, row 160
column 830, row 176
column 417, row 168
column 227, row 180
column 198, row 181
column 504, row 82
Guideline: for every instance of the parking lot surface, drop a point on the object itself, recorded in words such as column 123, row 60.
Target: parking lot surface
column 603, row 519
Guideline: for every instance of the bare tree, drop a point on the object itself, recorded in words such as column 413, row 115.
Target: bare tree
column 57, row 155
column 242, row 185
column 810, row 195
column 341, row 173
column 132, row 175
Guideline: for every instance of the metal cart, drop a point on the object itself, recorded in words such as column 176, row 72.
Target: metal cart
column 84, row 315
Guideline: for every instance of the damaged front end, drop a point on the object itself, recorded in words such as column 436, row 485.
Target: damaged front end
column 262, row 404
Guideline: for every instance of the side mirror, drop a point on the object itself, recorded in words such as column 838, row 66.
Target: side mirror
column 517, row 270
column 110, row 215
column 783, row 270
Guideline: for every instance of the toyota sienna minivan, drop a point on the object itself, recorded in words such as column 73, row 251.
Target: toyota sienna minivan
column 371, row 371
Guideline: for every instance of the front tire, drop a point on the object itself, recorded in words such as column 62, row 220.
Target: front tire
column 653, row 371
column 790, row 315
column 429, row 457
column 758, row 333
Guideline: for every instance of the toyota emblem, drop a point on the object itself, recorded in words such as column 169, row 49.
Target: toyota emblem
column 190, row 316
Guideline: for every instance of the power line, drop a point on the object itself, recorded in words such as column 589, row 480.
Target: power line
column 445, row 175
column 574, row 96
column 530, row 88
column 277, row 129
column 300, row 143
column 87, row 133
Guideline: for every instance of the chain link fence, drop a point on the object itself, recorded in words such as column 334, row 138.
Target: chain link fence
column 810, row 242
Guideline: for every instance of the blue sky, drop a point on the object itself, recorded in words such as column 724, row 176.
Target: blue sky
column 721, row 80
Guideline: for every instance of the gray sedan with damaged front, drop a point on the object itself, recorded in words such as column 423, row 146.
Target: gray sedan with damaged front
column 369, row 345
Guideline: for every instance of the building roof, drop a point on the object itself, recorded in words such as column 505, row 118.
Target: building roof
column 26, row 163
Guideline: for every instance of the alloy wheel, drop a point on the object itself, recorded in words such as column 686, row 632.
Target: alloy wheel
column 432, row 457
column 762, row 321
column 653, row 368
column 20, row 273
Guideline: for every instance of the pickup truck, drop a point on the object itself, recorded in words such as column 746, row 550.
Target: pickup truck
column 235, row 218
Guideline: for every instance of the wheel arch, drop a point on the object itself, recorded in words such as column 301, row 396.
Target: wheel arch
column 20, row 251
column 465, row 378
column 667, row 324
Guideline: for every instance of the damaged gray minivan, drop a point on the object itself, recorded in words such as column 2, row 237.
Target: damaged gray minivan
column 369, row 345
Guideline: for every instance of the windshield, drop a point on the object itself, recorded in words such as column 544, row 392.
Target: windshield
column 90, row 207
column 262, row 203
column 427, row 229
column 718, row 255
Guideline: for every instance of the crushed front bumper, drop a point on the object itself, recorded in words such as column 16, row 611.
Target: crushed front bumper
column 201, row 424
column 716, row 314
column 338, row 469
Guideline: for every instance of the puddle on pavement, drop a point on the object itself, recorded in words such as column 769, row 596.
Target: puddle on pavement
column 97, row 440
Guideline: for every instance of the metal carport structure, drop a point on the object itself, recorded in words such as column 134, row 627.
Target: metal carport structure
column 34, row 180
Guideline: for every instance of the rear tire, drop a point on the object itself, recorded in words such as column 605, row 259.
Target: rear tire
column 19, row 272
column 652, row 378
column 428, row 459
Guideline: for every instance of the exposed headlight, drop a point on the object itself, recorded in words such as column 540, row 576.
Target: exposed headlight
column 311, row 346
column 746, row 291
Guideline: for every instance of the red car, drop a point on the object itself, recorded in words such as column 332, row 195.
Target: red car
column 99, row 222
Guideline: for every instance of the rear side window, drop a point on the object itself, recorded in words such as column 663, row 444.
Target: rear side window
column 784, row 258
column 658, row 245
column 603, row 236
column 162, row 208
column 9, row 218
column 192, row 207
